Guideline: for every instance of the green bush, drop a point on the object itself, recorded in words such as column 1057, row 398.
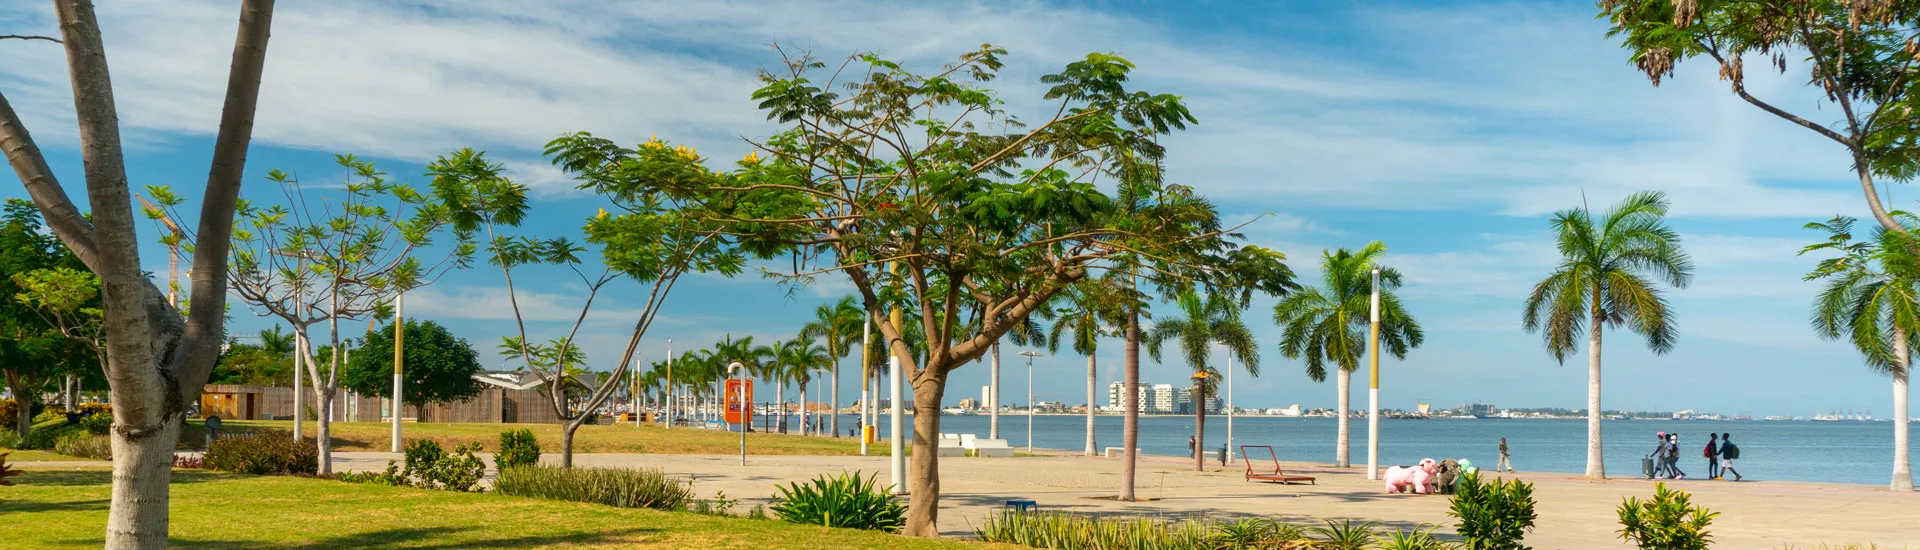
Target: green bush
column 389, row 477
column 1666, row 522
column 85, row 446
column 517, row 448
column 49, row 413
column 10, row 439
column 262, row 453
column 1494, row 515
column 845, row 500
column 430, row 467
column 1053, row 529
column 1418, row 538
column 645, row 488
column 97, row 424
column 1345, row 535
column 8, row 408
column 46, row 437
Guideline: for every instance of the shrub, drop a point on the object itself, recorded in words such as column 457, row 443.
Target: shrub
column 1345, row 535
column 389, row 477
column 9, row 439
column 719, row 505
column 1494, row 515
column 96, row 408
column 46, row 437
column 517, row 448
column 1076, row 532
column 48, row 413
column 262, row 453
column 6, row 470
column 96, row 447
column 1667, row 522
column 9, row 408
column 643, row 488
column 97, row 424
column 757, row 512
column 845, row 500
column 1418, row 538
column 430, row 467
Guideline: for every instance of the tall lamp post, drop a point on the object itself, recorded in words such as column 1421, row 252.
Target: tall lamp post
column 671, row 404
column 399, row 335
column 1030, row 354
column 897, row 421
column 1373, row 388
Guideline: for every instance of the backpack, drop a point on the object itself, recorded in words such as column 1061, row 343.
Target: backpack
column 1707, row 452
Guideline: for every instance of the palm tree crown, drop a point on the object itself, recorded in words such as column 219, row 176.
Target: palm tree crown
column 1329, row 324
column 1203, row 323
column 1607, row 272
column 1870, row 291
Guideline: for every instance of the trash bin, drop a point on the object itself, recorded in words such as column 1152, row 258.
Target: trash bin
column 1646, row 467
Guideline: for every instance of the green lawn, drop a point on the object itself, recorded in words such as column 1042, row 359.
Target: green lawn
column 373, row 436
column 40, row 456
column 68, row 509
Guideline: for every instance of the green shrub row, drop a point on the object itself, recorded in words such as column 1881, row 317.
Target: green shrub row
column 262, row 453
column 1082, row 532
column 97, row 447
column 640, row 488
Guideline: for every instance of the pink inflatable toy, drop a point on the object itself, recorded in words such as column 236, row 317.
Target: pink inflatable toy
column 1418, row 478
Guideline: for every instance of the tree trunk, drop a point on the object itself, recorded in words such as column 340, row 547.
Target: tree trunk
column 803, row 409
column 23, row 409
column 1130, row 428
column 1596, row 467
column 566, row 443
column 323, row 433
column 1092, row 378
column 70, row 392
column 1902, row 471
column 1341, row 452
column 143, row 467
column 781, row 396
column 993, row 395
column 1199, row 428
column 833, row 422
column 923, row 477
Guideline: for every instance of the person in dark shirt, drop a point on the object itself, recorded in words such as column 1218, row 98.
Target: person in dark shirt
column 1673, row 455
column 1728, row 454
column 1712, row 453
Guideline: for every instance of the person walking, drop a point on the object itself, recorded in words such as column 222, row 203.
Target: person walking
column 1728, row 454
column 1673, row 455
column 1659, row 456
column 1193, row 449
column 1504, row 463
column 1713, row 456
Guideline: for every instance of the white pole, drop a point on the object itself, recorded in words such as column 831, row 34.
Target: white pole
column 1229, row 453
column 1373, row 390
column 299, row 372
column 399, row 332
column 899, row 458
column 1030, row 406
column 866, row 378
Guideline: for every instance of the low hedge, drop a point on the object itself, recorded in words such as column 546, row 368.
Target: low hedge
column 263, row 453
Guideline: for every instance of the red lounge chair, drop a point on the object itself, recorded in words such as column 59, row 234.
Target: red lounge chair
column 1276, row 476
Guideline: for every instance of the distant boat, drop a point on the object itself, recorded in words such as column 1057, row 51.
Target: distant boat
column 957, row 411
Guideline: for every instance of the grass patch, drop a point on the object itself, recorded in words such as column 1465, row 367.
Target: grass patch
column 68, row 509
column 42, row 456
column 375, row 436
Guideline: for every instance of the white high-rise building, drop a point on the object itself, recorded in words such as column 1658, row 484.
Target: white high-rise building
column 1153, row 398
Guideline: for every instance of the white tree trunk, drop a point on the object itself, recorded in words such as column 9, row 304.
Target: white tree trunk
column 1596, row 466
column 299, row 372
column 1092, row 378
column 803, row 409
column 1902, row 470
column 993, row 396
column 833, row 422
column 1341, row 453
column 781, row 396
column 142, row 470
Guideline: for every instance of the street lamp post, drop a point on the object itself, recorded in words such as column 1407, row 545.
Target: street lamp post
column 671, row 404
column 897, row 421
column 1030, row 354
column 399, row 333
column 745, row 407
column 1373, row 389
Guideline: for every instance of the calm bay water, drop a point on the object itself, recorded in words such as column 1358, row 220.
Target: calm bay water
column 1836, row 452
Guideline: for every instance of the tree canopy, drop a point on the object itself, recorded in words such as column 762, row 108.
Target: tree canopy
column 439, row 365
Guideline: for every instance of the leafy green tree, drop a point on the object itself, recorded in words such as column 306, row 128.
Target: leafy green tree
column 1858, row 55
column 1871, row 298
column 1202, row 324
column 838, row 324
column 1086, row 311
column 1330, row 324
column 33, row 349
column 983, row 217
column 1608, row 275
column 439, row 365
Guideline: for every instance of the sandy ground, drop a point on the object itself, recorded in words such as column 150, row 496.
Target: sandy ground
column 1574, row 512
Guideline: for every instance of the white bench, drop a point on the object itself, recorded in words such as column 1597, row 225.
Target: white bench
column 950, row 446
column 988, row 447
column 1116, row 451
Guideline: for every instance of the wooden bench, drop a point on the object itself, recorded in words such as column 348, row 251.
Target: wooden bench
column 1276, row 476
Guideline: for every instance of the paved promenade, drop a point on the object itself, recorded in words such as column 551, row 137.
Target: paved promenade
column 1574, row 512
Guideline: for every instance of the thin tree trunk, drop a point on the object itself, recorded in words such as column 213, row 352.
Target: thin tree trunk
column 22, row 407
column 1596, row 467
column 1199, row 428
column 301, row 362
column 566, row 443
column 833, row 422
column 1130, row 429
column 1902, row 471
column 1342, row 455
column 923, row 476
column 70, row 392
column 803, row 409
column 1092, row 377
column 993, row 395
column 781, row 396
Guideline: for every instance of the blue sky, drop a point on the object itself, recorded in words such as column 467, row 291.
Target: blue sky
column 1449, row 130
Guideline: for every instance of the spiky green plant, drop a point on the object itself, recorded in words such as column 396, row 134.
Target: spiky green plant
column 641, row 488
column 1417, row 538
column 844, row 500
column 1345, row 535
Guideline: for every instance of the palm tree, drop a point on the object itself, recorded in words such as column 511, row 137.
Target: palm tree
column 1872, row 298
column 1086, row 309
column 1330, row 324
column 756, row 360
column 276, row 342
column 839, row 325
column 1203, row 323
column 1607, row 275
column 798, row 359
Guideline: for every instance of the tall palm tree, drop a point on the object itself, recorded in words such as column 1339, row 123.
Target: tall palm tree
column 1330, row 324
column 1086, row 308
column 1607, row 276
column 1201, row 324
column 838, row 324
column 1872, row 298
column 277, row 342
column 798, row 360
